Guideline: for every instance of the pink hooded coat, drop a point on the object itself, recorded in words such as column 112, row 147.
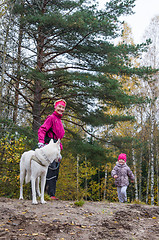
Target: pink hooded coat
column 124, row 173
column 52, row 121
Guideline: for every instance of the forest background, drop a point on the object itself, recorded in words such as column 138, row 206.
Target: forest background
column 53, row 49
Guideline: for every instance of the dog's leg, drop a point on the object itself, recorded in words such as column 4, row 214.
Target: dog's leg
column 43, row 181
column 37, row 187
column 34, row 201
column 21, row 191
column 22, row 176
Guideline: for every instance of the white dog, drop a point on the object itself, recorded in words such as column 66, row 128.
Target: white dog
column 34, row 164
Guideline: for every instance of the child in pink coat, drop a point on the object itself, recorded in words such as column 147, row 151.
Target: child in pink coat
column 52, row 128
column 121, row 173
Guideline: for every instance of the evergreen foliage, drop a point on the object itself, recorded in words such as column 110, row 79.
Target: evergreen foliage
column 68, row 53
column 11, row 131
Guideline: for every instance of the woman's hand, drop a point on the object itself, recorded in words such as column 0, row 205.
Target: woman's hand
column 115, row 176
column 40, row 145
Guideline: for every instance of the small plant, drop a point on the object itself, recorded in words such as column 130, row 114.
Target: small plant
column 106, row 201
column 138, row 202
column 79, row 203
column 47, row 197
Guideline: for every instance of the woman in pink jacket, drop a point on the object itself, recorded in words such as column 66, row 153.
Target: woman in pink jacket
column 52, row 129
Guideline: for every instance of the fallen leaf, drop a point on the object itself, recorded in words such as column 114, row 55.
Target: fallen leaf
column 42, row 234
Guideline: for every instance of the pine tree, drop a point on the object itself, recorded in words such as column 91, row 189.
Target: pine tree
column 69, row 54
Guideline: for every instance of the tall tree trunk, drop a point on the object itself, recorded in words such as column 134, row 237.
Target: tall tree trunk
column 37, row 106
column 105, row 182
column 152, row 168
column 135, row 174
column 154, row 86
column 140, row 175
column 99, row 182
column 4, row 61
column 77, row 177
column 140, row 160
column 16, row 97
column 86, row 180
column 157, row 172
column 37, row 84
column 148, row 182
column 148, row 174
column 152, row 154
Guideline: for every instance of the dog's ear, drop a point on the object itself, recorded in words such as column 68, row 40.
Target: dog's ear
column 58, row 141
column 51, row 141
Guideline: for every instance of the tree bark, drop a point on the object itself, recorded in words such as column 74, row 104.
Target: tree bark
column 16, row 96
column 135, row 174
column 105, row 182
column 157, row 172
column 152, row 157
column 37, row 84
column 86, row 180
column 77, row 177
column 4, row 52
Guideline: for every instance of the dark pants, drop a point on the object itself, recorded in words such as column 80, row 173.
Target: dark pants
column 51, row 178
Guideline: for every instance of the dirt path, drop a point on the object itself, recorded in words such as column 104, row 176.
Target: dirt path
column 62, row 220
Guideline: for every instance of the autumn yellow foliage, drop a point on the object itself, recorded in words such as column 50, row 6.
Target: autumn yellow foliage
column 10, row 153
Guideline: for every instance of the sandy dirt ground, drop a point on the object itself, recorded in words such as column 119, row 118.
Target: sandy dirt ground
column 62, row 220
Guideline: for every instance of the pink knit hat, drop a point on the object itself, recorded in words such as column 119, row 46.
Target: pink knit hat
column 122, row 156
column 60, row 102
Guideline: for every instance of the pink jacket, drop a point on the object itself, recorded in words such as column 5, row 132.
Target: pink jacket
column 52, row 121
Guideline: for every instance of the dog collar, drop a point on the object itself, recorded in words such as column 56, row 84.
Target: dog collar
column 34, row 158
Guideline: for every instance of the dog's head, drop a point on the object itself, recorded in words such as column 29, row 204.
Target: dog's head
column 53, row 151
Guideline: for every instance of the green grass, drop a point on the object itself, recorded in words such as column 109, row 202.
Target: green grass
column 79, row 203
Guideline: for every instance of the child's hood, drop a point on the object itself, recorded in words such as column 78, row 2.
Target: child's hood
column 121, row 165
